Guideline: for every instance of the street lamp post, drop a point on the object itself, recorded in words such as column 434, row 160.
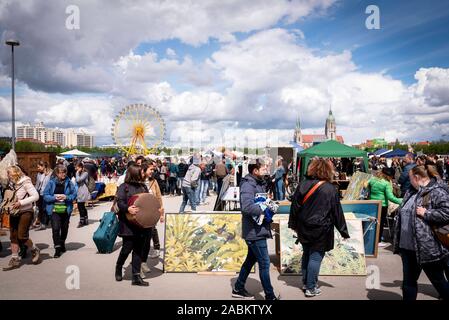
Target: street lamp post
column 13, row 43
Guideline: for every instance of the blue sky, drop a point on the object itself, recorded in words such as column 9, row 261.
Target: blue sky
column 260, row 76
column 413, row 34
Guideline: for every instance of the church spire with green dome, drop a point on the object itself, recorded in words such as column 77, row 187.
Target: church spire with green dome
column 331, row 128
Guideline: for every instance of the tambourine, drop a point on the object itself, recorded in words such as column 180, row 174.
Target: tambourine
column 148, row 214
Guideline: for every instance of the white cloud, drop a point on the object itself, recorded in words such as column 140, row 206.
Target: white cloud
column 261, row 82
column 108, row 30
column 433, row 85
column 171, row 53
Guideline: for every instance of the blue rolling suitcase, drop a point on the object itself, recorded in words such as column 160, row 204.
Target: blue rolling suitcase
column 104, row 237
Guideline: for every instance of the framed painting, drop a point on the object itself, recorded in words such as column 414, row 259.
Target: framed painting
column 369, row 212
column 355, row 187
column 347, row 258
column 204, row 242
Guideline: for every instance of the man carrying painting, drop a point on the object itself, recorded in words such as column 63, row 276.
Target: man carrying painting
column 256, row 229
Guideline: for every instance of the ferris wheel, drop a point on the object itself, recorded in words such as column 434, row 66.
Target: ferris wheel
column 138, row 128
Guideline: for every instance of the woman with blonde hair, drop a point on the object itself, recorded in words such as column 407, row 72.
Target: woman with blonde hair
column 25, row 195
column 43, row 177
column 314, row 213
column 425, row 207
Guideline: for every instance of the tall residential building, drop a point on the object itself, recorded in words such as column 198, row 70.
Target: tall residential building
column 78, row 139
column 64, row 138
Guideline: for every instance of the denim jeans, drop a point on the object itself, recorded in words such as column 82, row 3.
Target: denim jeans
column 412, row 270
column 172, row 184
column 310, row 266
column 188, row 194
column 279, row 190
column 204, row 189
column 257, row 252
column 196, row 192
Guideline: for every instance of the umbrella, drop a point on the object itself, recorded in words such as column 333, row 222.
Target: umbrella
column 75, row 152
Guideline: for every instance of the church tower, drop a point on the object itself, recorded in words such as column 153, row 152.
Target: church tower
column 297, row 136
column 330, row 129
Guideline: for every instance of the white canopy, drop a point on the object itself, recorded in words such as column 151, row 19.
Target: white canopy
column 75, row 152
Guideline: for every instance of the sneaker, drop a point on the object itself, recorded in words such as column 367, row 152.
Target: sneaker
column 383, row 244
column 42, row 227
column 304, row 288
column 142, row 274
column 14, row 263
column 242, row 294
column 63, row 249
column 312, row 293
column 144, row 268
column 35, row 253
column 274, row 298
column 155, row 254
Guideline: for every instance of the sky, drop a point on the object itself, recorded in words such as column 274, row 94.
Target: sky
column 231, row 72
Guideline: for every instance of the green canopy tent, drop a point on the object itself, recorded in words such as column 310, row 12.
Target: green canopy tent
column 331, row 149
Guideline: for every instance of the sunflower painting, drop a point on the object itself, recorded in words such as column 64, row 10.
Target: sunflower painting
column 204, row 242
column 347, row 257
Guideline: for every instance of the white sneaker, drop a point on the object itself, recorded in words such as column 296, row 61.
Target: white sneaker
column 312, row 293
column 155, row 254
column 383, row 244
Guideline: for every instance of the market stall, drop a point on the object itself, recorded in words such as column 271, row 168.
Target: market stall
column 330, row 149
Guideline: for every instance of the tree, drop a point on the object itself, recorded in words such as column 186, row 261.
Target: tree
column 28, row 146
column 5, row 146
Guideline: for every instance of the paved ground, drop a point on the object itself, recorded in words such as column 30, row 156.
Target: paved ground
column 48, row 279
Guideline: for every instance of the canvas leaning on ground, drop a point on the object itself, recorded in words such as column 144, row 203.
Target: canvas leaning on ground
column 347, row 257
column 204, row 243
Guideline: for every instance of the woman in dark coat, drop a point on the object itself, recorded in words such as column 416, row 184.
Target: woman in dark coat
column 133, row 236
column 314, row 220
column 425, row 205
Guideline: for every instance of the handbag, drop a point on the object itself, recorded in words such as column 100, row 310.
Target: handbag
column 441, row 233
column 60, row 208
column 9, row 198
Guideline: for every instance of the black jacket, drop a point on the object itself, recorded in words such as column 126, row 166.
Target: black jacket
column 427, row 247
column 250, row 229
column 182, row 169
column 124, row 192
column 314, row 222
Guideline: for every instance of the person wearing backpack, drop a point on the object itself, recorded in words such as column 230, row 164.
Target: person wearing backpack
column 314, row 212
column 425, row 207
column 190, row 185
column 23, row 195
column 59, row 195
column 83, row 194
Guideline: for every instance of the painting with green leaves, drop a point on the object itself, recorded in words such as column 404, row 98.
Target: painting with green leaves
column 356, row 185
column 204, row 242
column 347, row 257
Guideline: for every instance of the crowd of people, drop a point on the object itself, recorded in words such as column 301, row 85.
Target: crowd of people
column 416, row 184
